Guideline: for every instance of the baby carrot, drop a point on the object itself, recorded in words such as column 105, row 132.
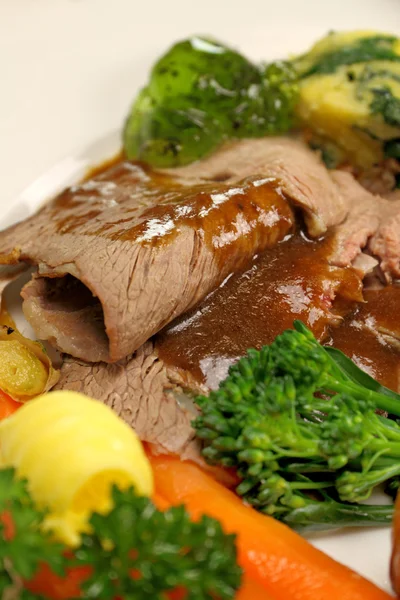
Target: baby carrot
column 7, row 405
column 274, row 556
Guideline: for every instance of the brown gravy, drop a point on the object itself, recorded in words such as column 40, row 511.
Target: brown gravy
column 128, row 201
column 363, row 336
column 291, row 281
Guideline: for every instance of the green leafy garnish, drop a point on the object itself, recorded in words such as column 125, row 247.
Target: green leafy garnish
column 295, row 419
column 134, row 551
column 29, row 544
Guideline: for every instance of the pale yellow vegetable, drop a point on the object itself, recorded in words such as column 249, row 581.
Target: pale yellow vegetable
column 72, row 449
column 25, row 367
column 21, row 372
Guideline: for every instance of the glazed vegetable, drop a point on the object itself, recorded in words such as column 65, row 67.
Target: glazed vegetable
column 201, row 93
column 8, row 406
column 271, row 554
column 56, row 587
column 132, row 551
column 350, row 95
column 25, row 368
column 72, row 449
column 296, row 418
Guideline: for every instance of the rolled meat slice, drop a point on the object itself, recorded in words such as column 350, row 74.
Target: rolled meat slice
column 122, row 254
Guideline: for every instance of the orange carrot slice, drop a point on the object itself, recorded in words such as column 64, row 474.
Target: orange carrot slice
column 7, row 405
column 272, row 555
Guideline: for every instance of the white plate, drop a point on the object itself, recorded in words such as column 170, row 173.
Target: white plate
column 70, row 69
column 367, row 550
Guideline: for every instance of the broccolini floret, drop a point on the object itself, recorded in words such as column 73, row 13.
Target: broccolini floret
column 296, row 418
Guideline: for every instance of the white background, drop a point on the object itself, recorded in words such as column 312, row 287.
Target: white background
column 70, row 68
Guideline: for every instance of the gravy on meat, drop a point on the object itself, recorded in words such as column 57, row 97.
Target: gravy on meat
column 291, row 281
column 364, row 336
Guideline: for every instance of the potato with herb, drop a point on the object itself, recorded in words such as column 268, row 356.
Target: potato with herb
column 350, row 95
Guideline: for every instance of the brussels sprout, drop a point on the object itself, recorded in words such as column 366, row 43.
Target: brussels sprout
column 201, row 93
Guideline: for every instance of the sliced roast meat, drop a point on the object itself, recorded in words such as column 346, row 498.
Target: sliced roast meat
column 298, row 170
column 151, row 390
column 143, row 392
column 294, row 280
column 385, row 243
column 393, row 195
column 65, row 301
column 361, row 222
column 372, row 224
column 150, row 245
column 365, row 265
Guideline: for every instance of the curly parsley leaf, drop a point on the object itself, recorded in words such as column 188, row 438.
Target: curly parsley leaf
column 28, row 545
column 169, row 552
column 134, row 551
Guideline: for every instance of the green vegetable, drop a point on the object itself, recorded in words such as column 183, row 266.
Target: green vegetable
column 201, row 93
column 298, row 422
column 29, row 545
column 165, row 548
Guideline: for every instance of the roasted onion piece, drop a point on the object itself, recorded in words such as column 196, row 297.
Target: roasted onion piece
column 25, row 367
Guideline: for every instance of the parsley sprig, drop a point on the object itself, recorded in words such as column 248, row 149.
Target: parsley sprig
column 134, row 551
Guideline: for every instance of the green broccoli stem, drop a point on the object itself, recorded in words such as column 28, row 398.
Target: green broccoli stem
column 381, row 401
column 298, row 422
column 387, row 448
column 329, row 514
column 356, row 486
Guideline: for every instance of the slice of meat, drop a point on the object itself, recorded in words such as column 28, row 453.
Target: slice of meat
column 373, row 224
column 381, row 179
column 393, row 195
column 294, row 280
column 143, row 392
column 150, row 245
column 361, row 223
column 385, row 243
column 297, row 169
column 151, row 390
column 365, row 265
